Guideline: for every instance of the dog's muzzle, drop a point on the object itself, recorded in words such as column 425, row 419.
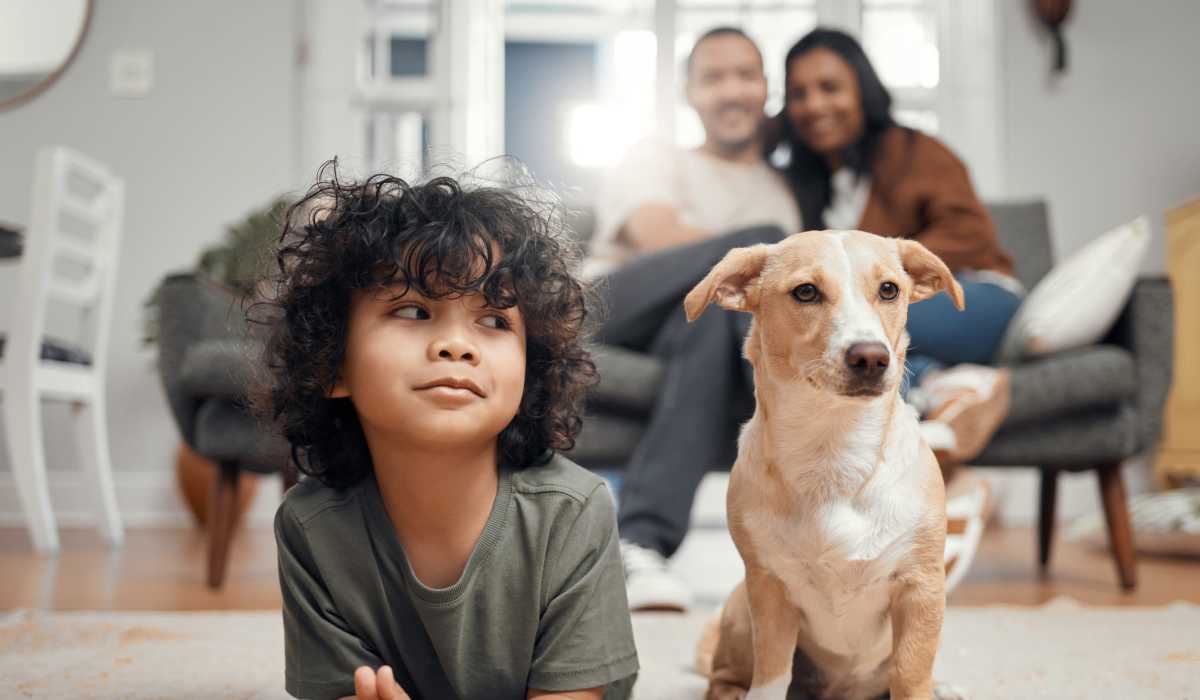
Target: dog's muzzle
column 866, row 366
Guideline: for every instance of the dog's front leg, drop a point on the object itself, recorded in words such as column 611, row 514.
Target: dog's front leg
column 775, row 624
column 918, row 606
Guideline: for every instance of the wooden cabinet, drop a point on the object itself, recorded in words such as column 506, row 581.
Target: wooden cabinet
column 1178, row 459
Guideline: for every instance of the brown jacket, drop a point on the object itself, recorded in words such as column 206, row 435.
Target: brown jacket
column 921, row 190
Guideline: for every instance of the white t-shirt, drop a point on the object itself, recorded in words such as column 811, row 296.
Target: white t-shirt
column 849, row 199
column 709, row 193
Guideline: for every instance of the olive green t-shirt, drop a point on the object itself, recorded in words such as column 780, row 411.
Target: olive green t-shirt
column 540, row 604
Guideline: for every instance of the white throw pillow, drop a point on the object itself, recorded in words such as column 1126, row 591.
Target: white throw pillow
column 1078, row 301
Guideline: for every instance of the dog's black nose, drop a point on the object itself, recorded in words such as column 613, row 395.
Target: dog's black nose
column 868, row 361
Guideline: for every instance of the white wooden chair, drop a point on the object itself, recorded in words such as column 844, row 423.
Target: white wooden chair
column 68, row 267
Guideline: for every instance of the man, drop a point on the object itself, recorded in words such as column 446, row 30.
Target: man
column 663, row 196
column 664, row 218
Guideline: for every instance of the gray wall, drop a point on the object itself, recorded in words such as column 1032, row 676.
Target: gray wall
column 214, row 139
column 1118, row 134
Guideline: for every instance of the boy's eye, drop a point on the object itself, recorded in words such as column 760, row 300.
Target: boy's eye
column 496, row 321
column 414, row 313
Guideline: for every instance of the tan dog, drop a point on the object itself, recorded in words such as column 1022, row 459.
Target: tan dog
column 835, row 503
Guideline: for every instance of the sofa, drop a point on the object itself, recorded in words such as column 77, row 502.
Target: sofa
column 1086, row 409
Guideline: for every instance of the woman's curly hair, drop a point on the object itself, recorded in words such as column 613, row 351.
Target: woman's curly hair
column 443, row 239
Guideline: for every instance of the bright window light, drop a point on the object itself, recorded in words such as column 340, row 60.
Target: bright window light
column 599, row 133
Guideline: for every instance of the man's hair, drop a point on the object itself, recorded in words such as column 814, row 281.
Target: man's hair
column 713, row 33
column 442, row 239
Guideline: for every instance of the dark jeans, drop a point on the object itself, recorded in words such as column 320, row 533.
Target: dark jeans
column 707, row 389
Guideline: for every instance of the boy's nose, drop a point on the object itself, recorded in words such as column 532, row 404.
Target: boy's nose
column 455, row 350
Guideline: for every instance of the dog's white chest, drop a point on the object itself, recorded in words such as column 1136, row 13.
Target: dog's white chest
column 838, row 553
column 837, row 560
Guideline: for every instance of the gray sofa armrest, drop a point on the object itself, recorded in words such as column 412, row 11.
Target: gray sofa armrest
column 629, row 381
column 222, row 369
column 1147, row 329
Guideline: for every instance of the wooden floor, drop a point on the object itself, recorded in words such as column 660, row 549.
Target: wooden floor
column 164, row 570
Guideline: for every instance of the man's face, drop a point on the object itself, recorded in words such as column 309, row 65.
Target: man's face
column 728, row 90
column 432, row 372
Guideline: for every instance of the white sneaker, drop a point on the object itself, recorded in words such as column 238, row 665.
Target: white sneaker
column 648, row 582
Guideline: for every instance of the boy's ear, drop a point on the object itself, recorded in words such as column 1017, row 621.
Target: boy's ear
column 728, row 282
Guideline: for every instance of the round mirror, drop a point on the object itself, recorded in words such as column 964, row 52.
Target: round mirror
column 38, row 39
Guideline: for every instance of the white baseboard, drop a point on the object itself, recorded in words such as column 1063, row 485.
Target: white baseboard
column 147, row 499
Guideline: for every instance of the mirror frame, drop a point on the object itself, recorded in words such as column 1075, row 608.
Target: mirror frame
column 22, row 98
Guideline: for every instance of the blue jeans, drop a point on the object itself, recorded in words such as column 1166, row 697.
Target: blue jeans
column 944, row 336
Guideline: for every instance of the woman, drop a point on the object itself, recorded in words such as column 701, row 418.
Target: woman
column 852, row 166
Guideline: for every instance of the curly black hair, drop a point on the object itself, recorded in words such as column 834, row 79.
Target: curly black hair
column 442, row 238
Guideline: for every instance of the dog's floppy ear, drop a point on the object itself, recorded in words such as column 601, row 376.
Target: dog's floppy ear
column 929, row 274
column 726, row 283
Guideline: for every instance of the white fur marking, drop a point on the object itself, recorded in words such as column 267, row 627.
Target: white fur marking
column 855, row 321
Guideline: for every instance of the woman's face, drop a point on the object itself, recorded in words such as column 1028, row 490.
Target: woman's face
column 823, row 102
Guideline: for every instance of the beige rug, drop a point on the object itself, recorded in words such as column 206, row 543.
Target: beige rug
column 1061, row 650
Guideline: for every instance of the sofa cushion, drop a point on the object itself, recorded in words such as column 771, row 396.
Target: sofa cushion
column 219, row 368
column 629, row 380
column 227, row 432
column 607, row 440
column 1023, row 229
column 1051, row 386
column 1078, row 301
column 1076, row 441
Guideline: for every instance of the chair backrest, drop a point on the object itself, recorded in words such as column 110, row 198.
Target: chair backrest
column 1023, row 228
column 69, row 263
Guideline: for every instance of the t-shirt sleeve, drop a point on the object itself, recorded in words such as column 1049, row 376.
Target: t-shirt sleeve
column 585, row 636
column 644, row 176
column 320, row 650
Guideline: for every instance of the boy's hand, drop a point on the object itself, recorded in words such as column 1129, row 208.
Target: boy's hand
column 381, row 685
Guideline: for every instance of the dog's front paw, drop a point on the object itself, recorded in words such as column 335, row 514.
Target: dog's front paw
column 945, row 691
column 718, row 690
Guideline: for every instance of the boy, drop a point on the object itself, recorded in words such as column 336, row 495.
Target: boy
column 426, row 362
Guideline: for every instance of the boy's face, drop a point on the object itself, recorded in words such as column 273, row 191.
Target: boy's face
column 432, row 372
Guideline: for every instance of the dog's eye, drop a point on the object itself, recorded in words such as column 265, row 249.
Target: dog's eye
column 888, row 291
column 807, row 293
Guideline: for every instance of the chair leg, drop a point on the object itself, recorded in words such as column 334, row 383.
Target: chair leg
column 1049, row 496
column 91, row 430
column 27, row 457
column 1120, row 531
column 222, row 518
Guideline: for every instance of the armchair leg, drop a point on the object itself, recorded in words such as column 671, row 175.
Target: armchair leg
column 1120, row 531
column 222, row 517
column 1049, row 496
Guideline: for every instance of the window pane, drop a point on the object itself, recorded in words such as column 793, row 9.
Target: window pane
column 901, row 39
column 545, row 83
column 409, row 56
